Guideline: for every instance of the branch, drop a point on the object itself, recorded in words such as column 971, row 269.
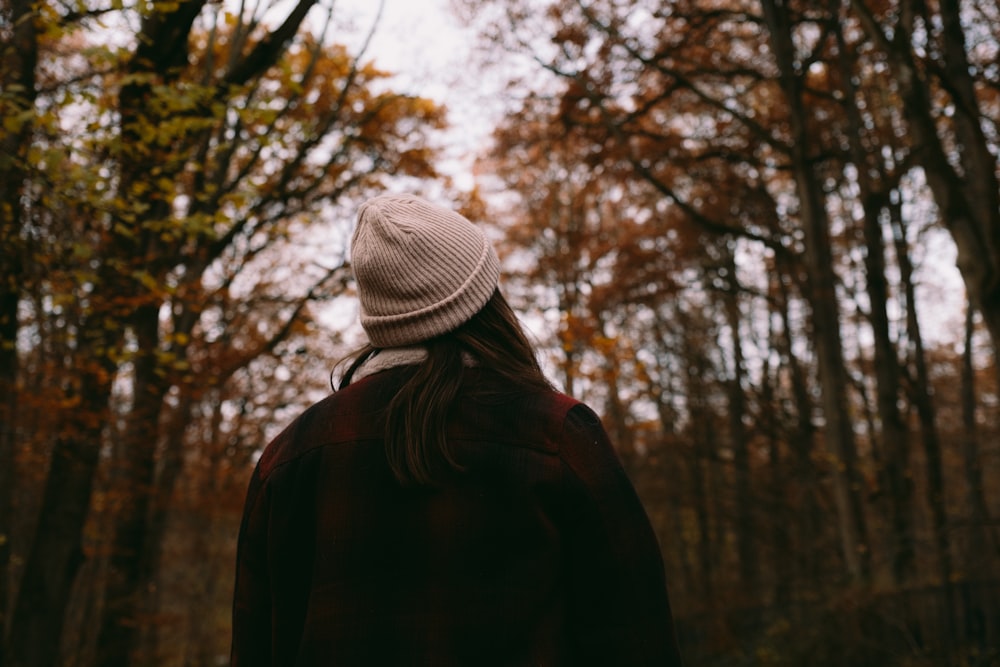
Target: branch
column 342, row 275
column 267, row 51
column 656, row 63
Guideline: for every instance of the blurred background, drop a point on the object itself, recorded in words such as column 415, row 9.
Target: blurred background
column 760, row 237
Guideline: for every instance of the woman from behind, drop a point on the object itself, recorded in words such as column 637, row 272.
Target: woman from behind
column 446, row 506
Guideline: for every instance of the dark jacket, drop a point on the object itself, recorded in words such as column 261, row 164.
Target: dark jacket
column 538, row 554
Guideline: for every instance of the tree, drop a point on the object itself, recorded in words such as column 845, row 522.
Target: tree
column 18, row 59
column 758, row 162
column 694, row 114
column 209, row 141
column 926, row 45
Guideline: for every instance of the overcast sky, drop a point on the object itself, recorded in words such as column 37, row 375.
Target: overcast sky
column 431, row 55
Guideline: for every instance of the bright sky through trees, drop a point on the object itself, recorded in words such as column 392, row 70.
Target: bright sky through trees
column 432, row 55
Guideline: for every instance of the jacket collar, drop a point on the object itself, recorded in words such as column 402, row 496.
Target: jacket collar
column 391, row 357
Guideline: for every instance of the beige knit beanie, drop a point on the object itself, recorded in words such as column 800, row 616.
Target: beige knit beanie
column 422, row 270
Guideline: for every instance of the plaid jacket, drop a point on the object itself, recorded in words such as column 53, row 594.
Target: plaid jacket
column 538, row 554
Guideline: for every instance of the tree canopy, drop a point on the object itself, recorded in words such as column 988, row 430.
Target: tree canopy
column 173, row 179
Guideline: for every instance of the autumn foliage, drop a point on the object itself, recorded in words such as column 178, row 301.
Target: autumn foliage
column 176, row 183
column 726, row 212
column 761, row 238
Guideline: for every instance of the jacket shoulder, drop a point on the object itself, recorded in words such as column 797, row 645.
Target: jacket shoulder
column 349, row 414
column 530, row 419
column 486, row 409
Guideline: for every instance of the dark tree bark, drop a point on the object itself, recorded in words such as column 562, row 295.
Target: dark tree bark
column 921, row 395
column 674, row 469
column 774, row 509
column 968, row 197
column 983, row 539
column 18, row 61
column 895, row 464
column 702, row 437
column 770, row 419
column 130, row 558
column 162, row 50
column 56, row 553
column 822, row 297
column 809, row 521
column 746, row 529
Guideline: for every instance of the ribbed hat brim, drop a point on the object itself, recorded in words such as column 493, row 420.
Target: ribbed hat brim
column 422, row 270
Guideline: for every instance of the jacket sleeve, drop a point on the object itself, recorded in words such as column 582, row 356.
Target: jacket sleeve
column 619, row 611
column 251, row 644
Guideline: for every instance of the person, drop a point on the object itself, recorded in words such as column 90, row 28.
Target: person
column 445, row 505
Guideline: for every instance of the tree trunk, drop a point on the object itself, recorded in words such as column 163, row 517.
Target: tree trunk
column 616, row 411
column 130, row 556
column 809, row 520
column 983, row 543
column 896, row 474
column 822, row 297
column 701, row 428
column 673, row 467
column 774, row 508
column 161, row 50
column 672, row 464
column 56, row 552
column 968, row 200
column 978, row 183
column 921, row 396
column 781, row 545
column 746, row 529
column 18, row 60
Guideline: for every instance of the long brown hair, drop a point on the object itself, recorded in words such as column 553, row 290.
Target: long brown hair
column 415, row 443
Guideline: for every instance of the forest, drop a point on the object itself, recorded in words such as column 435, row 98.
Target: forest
column 760, row 237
